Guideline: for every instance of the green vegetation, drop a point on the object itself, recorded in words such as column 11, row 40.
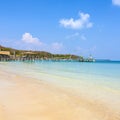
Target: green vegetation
column 40, row 54
column 21, row 54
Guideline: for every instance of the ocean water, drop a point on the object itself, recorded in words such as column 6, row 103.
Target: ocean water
column 96, row 80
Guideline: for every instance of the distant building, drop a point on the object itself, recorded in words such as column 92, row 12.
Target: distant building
column 91, row 59
column 4, row 55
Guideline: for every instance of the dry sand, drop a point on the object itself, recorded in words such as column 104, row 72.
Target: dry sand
column 23, row 98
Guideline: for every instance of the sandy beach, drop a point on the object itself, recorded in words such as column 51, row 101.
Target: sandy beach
column 59, row 59
column 23, row 98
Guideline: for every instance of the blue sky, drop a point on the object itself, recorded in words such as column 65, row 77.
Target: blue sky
column 80, row 27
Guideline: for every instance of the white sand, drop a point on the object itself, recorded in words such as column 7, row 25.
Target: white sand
column 22, row 98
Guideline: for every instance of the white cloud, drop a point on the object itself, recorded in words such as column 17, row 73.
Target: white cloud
column 116, row 2
column 28, row 38
column 76, row 36
column 72, row 36
column 57, row 46
column 80, row 23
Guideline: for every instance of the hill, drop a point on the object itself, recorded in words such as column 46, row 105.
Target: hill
column 41, row 54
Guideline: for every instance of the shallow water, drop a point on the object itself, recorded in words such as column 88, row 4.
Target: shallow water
column 97, row 80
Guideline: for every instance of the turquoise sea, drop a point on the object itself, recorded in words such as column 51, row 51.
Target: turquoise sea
column 96, row 80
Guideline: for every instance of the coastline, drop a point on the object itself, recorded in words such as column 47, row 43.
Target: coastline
column 24, row 98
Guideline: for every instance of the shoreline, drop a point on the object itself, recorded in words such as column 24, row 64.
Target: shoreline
column 23, row 98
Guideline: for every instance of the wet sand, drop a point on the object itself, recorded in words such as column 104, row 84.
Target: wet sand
column 23, row 98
